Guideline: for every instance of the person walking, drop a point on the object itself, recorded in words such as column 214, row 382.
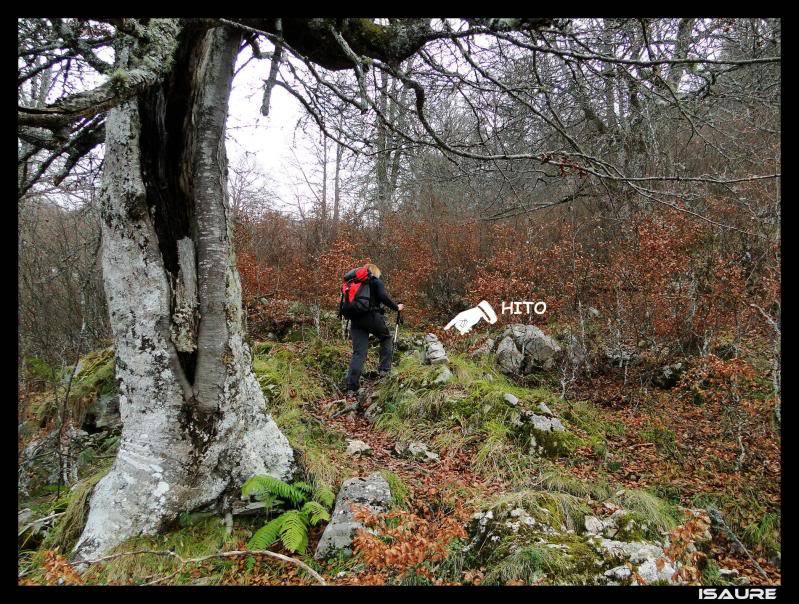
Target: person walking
column 372, row 322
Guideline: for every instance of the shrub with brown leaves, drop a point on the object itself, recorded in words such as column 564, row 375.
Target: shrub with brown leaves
column 400, row 542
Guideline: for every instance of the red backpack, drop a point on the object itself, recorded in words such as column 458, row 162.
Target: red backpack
column 356, row 295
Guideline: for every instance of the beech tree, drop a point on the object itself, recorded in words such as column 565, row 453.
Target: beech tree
column 194, row 424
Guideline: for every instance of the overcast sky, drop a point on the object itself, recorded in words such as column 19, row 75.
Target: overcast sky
column 269, row 140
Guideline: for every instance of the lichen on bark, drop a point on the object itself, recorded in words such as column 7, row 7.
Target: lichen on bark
column 176, row 454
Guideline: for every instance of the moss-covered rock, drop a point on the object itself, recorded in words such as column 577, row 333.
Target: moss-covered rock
column 510, row 425
column 551, row 536
column 530, row 544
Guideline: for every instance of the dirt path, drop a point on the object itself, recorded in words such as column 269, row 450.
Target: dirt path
column 421, row 477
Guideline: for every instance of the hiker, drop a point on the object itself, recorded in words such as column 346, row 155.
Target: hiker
column 372, row 320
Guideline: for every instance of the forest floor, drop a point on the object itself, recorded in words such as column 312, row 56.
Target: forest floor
column 648, row 440
column 642, row 464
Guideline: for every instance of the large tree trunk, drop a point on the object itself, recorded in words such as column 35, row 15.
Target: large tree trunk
column 194, row 420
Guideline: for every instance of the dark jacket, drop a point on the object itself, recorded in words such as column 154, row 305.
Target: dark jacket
column 379, row 295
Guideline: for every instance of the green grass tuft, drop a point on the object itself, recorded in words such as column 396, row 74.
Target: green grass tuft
column 555, row 479
column 399, row 490
column 200, row 539
column 764, row 534
column 65, row 534
column 650, row 509
column 529, row 564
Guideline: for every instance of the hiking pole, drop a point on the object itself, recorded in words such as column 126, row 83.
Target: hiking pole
column 396, row 332
column 396, row 327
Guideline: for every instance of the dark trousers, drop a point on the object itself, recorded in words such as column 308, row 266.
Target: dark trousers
column 360, row 328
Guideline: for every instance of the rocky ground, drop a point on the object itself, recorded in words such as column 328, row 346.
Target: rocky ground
column 472, row 443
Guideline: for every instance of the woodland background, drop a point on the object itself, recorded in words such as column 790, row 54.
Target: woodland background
column 645, row 273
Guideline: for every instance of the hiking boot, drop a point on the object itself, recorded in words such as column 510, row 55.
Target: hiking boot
column 344, row 387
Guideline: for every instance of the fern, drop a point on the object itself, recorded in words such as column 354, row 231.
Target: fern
column 262, row 486
column 315, row 512
column 294, row 531
column 271, row 502
column 304, row 487
column 310, row 507
column 267, row 534
column 324, row 496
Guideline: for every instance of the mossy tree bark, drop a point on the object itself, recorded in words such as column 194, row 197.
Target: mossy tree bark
column 194, row 420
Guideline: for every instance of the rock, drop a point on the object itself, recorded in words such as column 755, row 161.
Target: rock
column 619, row 572
column 538, row 349
column 23, row 518
column 519, row 519
column 733, row 576
column 508, row 356
column 594, row 525
column 575, row 350
column 372, row 492
column 434, row 350
column 623, row 527
column 246, row 508
column 499, row 532
column 511, row 399
column 542, row 407
column 358, row 447
column 39, row 463
column 668, row 376
column 363, row 398
column 542, row 423
column 405, row 343
column 545, row 434
column 103, row 413
column 444, row 376
column 634, row 551
column 485, row 348
column 649, row 571
column 415, row 450
column 373, row 411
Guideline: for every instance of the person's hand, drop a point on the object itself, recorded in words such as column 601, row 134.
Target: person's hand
column 400, row 306
column 464, row 321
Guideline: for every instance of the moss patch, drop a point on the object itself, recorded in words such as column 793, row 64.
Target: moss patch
column 202, row 538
